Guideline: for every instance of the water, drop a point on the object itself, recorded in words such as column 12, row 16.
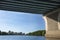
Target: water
column 22, row 38
column 25, row 38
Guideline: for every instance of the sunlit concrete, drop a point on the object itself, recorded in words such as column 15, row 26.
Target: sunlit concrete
column 52, row 22
column 59, row 20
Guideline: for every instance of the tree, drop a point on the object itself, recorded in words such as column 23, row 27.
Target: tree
column 10, row 32
column 0, row 32
column 4, row 33
column 37, row 33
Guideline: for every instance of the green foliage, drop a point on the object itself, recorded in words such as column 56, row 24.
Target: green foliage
column 11, row 33
column 37, row 33
column 4, row 33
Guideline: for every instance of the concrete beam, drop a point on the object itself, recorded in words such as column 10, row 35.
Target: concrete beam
column 54, row 11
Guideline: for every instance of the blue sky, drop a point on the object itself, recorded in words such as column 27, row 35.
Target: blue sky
column 21, row 22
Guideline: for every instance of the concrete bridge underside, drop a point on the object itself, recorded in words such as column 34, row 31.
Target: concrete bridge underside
column 49, row 8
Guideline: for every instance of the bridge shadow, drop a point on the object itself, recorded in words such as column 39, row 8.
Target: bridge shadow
column 54, row 16
column 52, row 39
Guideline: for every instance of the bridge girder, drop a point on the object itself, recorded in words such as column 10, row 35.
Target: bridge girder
column 30, row 6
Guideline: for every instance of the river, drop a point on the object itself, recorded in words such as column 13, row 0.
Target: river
column 14, row 37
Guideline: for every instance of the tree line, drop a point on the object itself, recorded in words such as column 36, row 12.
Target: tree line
column 11, row 33
column 35, row 33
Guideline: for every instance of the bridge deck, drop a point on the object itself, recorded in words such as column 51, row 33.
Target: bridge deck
column 31, row 6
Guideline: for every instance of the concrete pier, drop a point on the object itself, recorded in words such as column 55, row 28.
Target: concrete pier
column 52, row 22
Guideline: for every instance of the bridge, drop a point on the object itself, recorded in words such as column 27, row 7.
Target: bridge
column 49, row 8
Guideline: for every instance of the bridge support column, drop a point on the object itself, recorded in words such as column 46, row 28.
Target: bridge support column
column 52, row 22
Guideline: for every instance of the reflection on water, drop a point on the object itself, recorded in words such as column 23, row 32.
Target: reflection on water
column 17, row 37
column 52, row 39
